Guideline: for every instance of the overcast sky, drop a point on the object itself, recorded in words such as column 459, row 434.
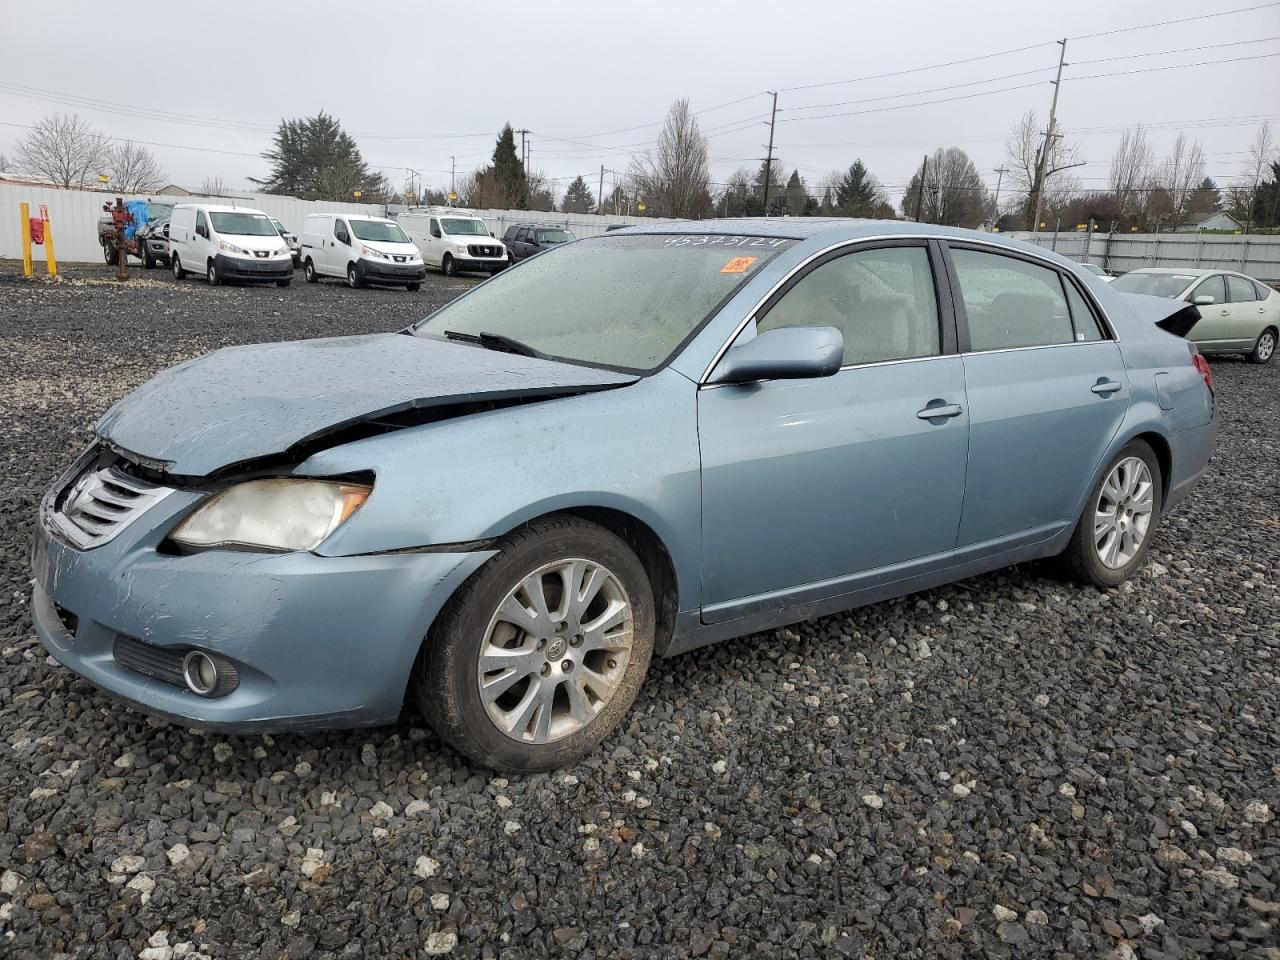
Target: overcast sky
column 417, row 83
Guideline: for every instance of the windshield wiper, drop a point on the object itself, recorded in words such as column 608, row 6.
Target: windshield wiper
column 497, row 341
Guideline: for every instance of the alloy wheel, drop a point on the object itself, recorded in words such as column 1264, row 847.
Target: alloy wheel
column 1266, row 346
column 1122, row 515
column 555, row 651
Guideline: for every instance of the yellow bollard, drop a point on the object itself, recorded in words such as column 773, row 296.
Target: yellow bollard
column 25, row 212
column 51, row 262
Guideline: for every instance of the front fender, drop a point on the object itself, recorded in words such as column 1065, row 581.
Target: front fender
column 633, row 449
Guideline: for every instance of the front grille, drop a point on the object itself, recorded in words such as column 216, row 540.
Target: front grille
column 481, row 250
column 157, row 662
column 68, row 619
column 100, row 503
column 262, row 253
column 400, row 259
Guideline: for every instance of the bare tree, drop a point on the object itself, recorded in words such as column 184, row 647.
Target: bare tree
column 63, row 149
column 1180, row 176
column 1131, row 169
column 954, row 193
column 676, row 178
column 134, row 169
column 214, row 187
column 4, row 163
column 1261, row 152
column 1022, row 150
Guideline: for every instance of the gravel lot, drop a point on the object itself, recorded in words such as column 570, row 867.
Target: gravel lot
column 1013, row 766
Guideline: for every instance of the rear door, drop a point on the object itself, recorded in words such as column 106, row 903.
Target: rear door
column 1248, row 315
column 1047, row 392
column 813, row 489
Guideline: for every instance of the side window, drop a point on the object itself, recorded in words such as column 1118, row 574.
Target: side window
column 1241, row 290
column 1262, row 291
column 882, row 301
column 434, row 228
column 1082, row 318
column 340, row 230
column 202, row 224
column 1011, row 303
column 1211, row 287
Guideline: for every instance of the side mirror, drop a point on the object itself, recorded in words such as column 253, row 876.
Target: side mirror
column 1204, row 300
column 788, row 353
column 492, row 234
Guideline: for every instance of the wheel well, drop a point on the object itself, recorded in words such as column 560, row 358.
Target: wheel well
column 1164, row 457
column 654, row 555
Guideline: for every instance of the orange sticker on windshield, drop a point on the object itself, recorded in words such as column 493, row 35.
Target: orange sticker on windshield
column 738, row 265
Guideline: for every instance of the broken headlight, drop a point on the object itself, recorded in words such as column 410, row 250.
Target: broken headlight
column 279, row 514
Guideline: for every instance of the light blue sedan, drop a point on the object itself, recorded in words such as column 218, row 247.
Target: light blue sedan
column 628, row 447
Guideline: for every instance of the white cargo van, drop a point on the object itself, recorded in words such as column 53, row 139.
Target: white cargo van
column 361, row 249
column 454, row 240
column 227, row 243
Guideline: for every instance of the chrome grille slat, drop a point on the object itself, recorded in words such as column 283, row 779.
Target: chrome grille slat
column 100, row 503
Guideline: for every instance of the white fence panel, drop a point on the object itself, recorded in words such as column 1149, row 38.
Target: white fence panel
column 1255, row 254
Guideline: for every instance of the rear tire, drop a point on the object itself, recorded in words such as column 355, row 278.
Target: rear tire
column 309, row 272
column 176, row 264
column 568, row 684
column 1120, row 519
column 1265, row 348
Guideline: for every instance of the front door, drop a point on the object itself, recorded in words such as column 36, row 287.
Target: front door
column 1047, row 392
column 817, row 488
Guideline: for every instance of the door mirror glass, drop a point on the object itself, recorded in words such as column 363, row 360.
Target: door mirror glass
column 1204, row 300
column 787, row 353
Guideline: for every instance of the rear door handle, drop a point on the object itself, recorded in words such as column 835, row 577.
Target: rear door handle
column 940, row 412
column 1104, row 388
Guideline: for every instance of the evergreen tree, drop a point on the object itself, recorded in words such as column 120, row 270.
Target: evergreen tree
column 508, row 171
column 795, row 197
column 578, row 198
column 856, row 193
column 315, row 159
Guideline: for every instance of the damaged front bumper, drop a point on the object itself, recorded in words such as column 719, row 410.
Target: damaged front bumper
column 315, row 641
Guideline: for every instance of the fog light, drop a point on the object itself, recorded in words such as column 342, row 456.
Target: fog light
column 208, row 675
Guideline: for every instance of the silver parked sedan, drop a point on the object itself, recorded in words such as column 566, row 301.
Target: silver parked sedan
column 1237, row 313
column 628, row 447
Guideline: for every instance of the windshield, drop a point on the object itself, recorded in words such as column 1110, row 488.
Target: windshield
column 464, row 228
column 280, row 227
column 243, row 224
column 378, row 230
column 554, row 236
column 1154, row 284
column 158, row 211
column 626, row 302
column 1093, row 268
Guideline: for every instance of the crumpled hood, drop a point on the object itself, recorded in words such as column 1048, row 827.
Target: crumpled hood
column 243, row 403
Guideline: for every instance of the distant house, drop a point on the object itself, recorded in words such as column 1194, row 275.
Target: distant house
column 1214, row 221
column 173, row 190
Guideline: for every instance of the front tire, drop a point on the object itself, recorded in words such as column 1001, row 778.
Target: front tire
column 354, row 280
column 212, row 274
column 109, row 255
column 449, row 266
column 540, row 654
column 1265, row 348
column 148, row 260
column 413, row 287
column 283, row 283
column 1120, row 518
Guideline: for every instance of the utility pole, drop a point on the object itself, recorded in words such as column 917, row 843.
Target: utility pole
column 523, row 162
column 600, row 194
column 768, row 157
column 924, row 172
column 995, row 206
column 453, row 170
column 1048, row 138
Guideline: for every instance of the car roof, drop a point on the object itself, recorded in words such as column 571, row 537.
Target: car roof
column 1187, row 272
column 219, row 208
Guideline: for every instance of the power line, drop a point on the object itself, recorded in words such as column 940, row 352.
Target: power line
column 922, row 103
column 1165, row 53
column 1175, row 66
column 1169, row 23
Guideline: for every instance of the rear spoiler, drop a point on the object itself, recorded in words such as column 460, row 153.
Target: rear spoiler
column 1172, row 316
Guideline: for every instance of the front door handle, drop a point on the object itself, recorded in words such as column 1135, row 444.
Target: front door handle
column 941, row 411
column 1104, row 388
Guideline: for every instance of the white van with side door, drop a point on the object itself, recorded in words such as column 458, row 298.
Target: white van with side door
column 227, row 243
column 455, row 240
column 361, row 249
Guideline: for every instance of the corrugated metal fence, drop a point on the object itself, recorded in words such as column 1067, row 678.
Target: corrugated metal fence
column 74, row 216
column 1254, row 254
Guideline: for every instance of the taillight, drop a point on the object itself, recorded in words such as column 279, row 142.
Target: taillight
column 1202, row 365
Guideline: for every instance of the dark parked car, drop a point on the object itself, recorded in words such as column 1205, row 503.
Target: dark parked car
column 529, row 239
